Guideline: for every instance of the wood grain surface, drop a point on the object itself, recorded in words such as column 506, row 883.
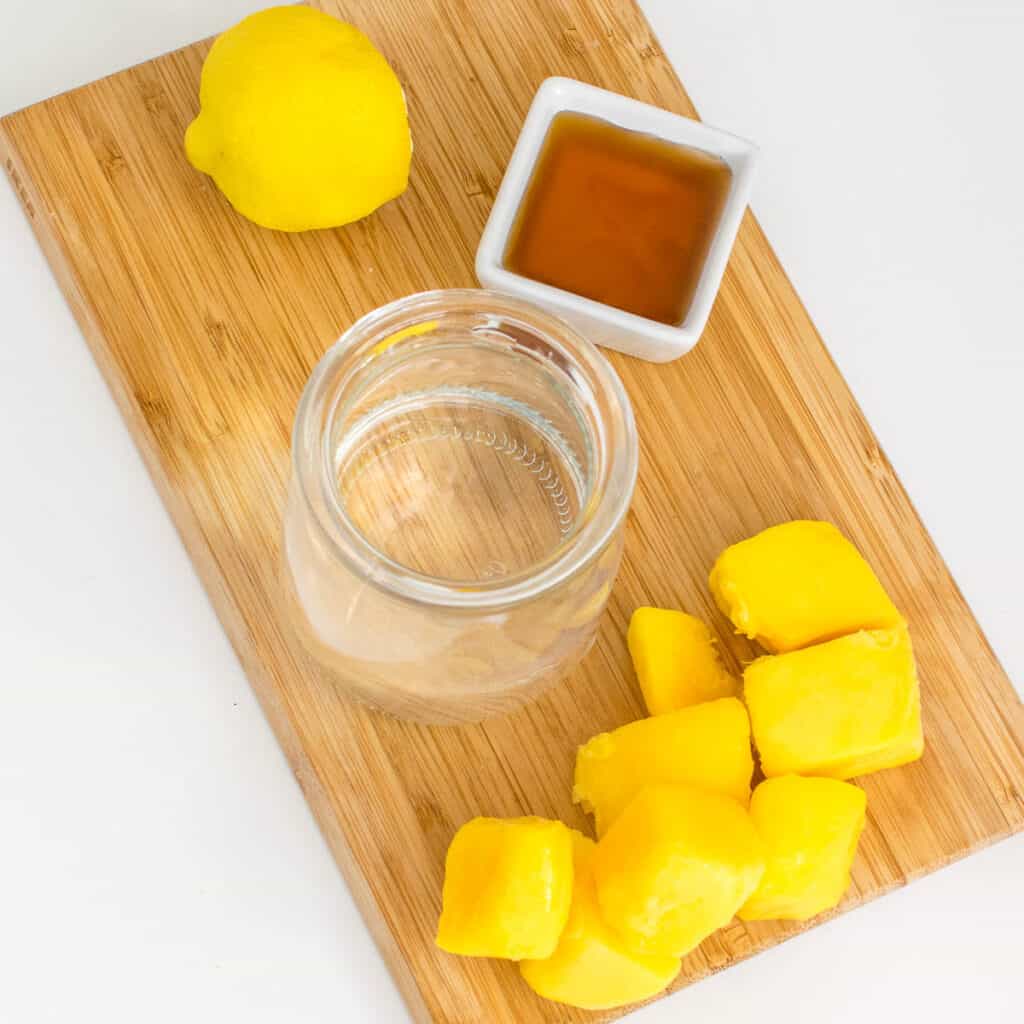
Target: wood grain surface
column 206, row 328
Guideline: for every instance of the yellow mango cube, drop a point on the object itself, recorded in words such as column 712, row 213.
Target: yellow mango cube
column 675, row 866
column 591, row 968
column 799, row 584
column 507, row 888
column 842, row 708
column 810, row 829
column 707, row 745
column 675, row 660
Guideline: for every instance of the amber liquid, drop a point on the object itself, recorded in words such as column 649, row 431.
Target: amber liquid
column 619, row 217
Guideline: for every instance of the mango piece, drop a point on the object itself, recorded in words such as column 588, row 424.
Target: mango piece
column 507, row 888
column 798, row 584
column 675, row 660
column 810, row 829
column 843, row 708
column 675, row 866
column 707, row 745
column 591, row 968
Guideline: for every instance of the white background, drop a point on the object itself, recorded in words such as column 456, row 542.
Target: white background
column 157, row 861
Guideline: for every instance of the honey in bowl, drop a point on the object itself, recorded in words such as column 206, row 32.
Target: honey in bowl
column 620, row 217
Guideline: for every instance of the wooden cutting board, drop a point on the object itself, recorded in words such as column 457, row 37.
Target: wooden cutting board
column 206, row 328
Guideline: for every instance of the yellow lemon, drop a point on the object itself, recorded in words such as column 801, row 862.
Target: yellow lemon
column 302, row 122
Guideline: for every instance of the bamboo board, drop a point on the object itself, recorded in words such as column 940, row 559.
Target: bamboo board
column 206, row 328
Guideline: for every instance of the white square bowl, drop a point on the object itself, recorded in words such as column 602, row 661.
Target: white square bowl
column 603, row 324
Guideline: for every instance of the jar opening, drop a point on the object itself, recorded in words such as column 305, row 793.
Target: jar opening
column 465, row 449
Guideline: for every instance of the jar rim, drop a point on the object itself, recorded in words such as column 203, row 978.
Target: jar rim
column 367, row 339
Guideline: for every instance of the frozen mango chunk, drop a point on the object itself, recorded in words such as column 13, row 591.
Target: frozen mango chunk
column 675, row 660
column 707, row 745
column 591, row 968
column 507, row 888
column 842, row 708
column 798, row 584
column 675, row 866
column 810, row 829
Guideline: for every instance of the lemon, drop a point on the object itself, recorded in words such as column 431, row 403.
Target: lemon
column 302, row 122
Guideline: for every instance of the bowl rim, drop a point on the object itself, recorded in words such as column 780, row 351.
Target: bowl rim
column 557, row 95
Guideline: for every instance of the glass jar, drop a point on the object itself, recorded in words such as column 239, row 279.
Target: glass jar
column 462, row 464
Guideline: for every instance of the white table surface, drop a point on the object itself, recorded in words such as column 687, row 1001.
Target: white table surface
column 157, row 860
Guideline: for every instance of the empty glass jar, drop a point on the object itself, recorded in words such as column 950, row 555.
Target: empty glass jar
column 462, row 464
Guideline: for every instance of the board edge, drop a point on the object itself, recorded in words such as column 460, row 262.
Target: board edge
column 48, row 236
